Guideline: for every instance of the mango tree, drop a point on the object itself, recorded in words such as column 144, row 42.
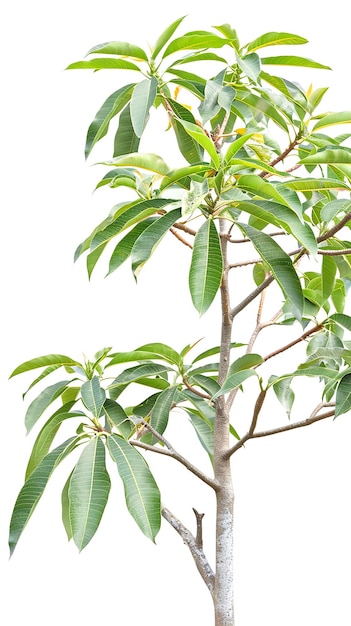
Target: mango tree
column 261, row 184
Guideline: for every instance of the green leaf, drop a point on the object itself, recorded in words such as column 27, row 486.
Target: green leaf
column 197, row 133
column 143, row 98
column 234, row 380
column 260, row 104
column 295, row 61
column 314, row 184
column 245, row 362
column 328, row 276
column 342, row 320
column 195, row 40
column 275, row 39
column 88, row 492
column 178, row 175
column 236, row 145
column 284, row 393
column 126, row 140
column 279, row 264
column 113, row 105
column 203, row 429
column 260, row 187
column 330, row 155
column 118, row 417
column 206, row 267
column 160, row 413
column 165, row 36
column 217, row 96
column 120, row 48
column 104, row 64
column 250, row 65
column 144, row 161
column 148, row 240
column 124, row 247
column 343, row 396
column 47, row 434
column 42, row 402
column 133, row 374
column 161, row 351
column 141, row 492
column 333, row 119
column 33, row 489
column 43, row 361
column 65, row 508
column 93, row 396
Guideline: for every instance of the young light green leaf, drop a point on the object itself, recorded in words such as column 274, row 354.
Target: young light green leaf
column 120, row 48
column 236, row 145
column 142, row 99
column 88, row 492
column 42, row 402
column 206, row 267
column 161, row 351
column 33, row 489
column 195, row 40
column 279, row 264
column 328, row 275
column 250, row 65
column 329, row 155
column 141, row 160
column 284, row 393
column 141, row 492
column 104, row 64
column 295, row 61
column 93, row 396
column 150, row 238
column 202, row 139
column 165, row 36
column 275, row 39
column 262, row 188
column 43, row 361
column 333, row 119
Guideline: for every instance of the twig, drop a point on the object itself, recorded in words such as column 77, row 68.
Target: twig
column 196, row 551
column 180, row 238
column 250, row 432
column 196, row 391
column 282, row 429
column 302, row 337
column 199, row 517
column 256, row 292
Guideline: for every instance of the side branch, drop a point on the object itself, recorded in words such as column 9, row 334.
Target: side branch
column 306, row 422
column 171, row 452
column 196, row 551
column 302, row 337
column 250, row 432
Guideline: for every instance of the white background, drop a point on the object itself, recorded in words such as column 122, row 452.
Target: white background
column 293, row 517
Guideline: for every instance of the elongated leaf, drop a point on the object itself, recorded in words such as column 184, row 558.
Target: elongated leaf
column 33, row 489
column 200, row 56
column 126, row 141
column 160, row 413
column 44, row 374
column 120, row 48
column 314, row 184
column 195, row 40
column 93, row 396
column 113, row 105
column 42, row 402
column 88, row 492
column 142, row 160
column 262, row 188
column 245, row 362
column 104, row 64
column 143, row 97
column 141, row 492
column 133, row 374
column 135, row 355
column 189, row 148
column 47, row 434
column 333, row 119
column 280, row 265
column 124, row 247
column 343, row 396
column 275, row 39
column 284, row 393
column 250, row 65
column 165, row 36
column 161, row 351
column 203, row 429
column 128, row 217
column 43, row 361
column 178, row 175
column 328, row 276
column 65, row 508
column 234, row 380
column 215, row 350
column 236, row 145
column 330, row 155
column 151, row 237
column 342, row 320
column 206, row 267
column 260, row 104
column 295, row 61
column 200, row 136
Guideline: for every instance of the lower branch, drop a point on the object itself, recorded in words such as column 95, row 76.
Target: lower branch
column 196, row 551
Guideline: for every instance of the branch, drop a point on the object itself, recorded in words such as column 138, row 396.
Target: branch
column 310, row 420
column 335, row 252
column 282, row 156
column 335, row 228
column 171, row 452
column 256, row 292
column 250, row 432
column 196, row 551
column 180, row 238
column 196, row 391
column 302, row 337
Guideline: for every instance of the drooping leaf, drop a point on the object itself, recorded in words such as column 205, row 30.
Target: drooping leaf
column 124, row 247
column 284, row 393
column 126, row 140
column 143, row 97
column 328, row 275
column 160, row 413
column 151, row 237
column 93, row 396
column 141, row 492
column 88, row 492
column 202, row 139
column 279, row 264
column 343, row 396
column 33, row 489
column 206, row 267
column 189, row 148
column 42, row 402
column 111, row 107
column 250, row 65
column 203, row 429
column 118, row 417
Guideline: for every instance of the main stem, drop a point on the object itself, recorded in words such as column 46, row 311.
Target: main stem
column 224, row 593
